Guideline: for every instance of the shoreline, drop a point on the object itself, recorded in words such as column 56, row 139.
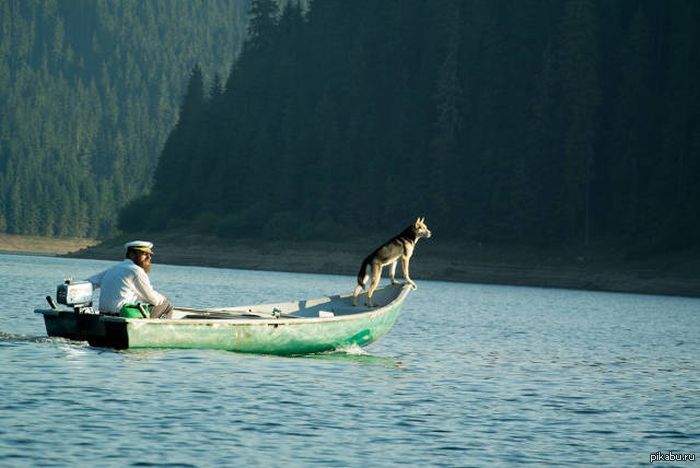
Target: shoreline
column 672, row 275
column 47, row 246
column 594, row 270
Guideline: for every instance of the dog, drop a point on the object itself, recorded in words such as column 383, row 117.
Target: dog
column 399, row 247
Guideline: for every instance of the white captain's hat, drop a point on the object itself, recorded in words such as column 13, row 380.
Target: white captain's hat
column 140, row 245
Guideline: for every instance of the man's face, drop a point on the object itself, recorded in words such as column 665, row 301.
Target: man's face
column 142, row 259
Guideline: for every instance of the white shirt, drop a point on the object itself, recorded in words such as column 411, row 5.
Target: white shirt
column 124, row 283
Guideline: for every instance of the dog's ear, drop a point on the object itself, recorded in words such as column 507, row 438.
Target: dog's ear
column 417, row 221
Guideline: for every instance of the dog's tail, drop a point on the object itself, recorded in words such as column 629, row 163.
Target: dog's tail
column 363, row 275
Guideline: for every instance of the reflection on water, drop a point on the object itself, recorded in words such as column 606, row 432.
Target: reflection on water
column 469, row 376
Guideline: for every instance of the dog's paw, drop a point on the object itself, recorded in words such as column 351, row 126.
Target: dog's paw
column 413, row 285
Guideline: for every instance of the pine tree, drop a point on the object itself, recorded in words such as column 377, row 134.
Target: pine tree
column 449, row 105
column 633, row 116
column 581, row 97
column 173, row 183
column 676, row 195
column 262, row 25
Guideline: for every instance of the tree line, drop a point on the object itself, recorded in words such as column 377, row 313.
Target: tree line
column 89, row 90
column 533, row 121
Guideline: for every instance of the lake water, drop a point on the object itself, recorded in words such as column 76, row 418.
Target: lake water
column 470, row 375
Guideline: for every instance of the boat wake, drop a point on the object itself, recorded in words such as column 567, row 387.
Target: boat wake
column 6, row 337
column 354, row 354
column 352, row 349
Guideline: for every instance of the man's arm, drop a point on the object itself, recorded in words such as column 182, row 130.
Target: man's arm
column 145, row 290
column 96, row 279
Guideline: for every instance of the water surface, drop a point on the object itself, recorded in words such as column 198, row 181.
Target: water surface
column 470, row 375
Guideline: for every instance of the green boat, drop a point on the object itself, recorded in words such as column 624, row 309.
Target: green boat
column 298, row 327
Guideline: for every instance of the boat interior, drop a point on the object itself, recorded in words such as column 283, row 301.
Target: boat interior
column 324, row 307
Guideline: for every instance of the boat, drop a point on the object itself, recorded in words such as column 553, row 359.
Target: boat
column 297, row 327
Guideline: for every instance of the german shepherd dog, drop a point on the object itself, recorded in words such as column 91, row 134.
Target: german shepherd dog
column 399, row 247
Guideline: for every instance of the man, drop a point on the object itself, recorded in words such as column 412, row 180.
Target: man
column 128, row 283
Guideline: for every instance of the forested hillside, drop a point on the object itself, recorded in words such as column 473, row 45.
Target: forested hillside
column 89, row 90
column 545, row 122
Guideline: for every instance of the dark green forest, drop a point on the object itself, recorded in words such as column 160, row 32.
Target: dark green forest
column 544, row 122
column 529, row 121
column 89, row 91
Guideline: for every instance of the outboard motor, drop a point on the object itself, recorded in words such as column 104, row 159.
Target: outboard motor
column 75, row 294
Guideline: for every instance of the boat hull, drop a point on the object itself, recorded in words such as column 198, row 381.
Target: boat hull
column 296, row 336
column 288, row 334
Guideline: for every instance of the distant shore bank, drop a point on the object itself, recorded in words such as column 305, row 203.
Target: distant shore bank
column 598, row 270
column 38, row 245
